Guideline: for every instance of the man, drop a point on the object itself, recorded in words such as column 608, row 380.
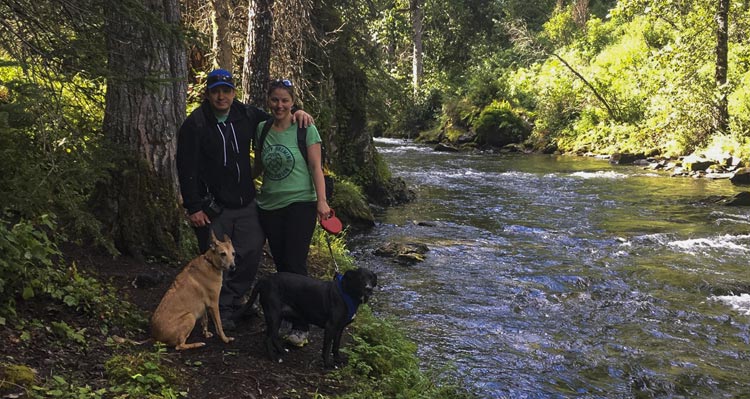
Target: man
column 213, row 165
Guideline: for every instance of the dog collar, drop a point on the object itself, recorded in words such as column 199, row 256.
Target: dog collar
column 351, row 304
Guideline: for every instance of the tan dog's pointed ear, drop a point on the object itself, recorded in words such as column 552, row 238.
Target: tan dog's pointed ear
column 226, row 238
column 214, row 241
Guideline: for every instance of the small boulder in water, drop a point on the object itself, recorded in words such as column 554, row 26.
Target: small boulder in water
column 741, row 176
column 442, row 147
column 404, row 253
column 424, row 223
column 741, row 199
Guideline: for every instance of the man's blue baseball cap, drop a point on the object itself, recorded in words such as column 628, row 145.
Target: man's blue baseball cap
column 219, row 77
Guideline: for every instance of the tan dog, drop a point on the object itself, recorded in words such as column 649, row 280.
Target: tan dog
column 194, row 292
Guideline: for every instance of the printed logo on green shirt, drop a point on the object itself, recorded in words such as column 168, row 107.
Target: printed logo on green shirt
column 278, row 161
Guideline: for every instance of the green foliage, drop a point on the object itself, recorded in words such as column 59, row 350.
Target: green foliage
column 416, row 115
column 387, row 360
column 349, row 200
column 49, row 150
column 32, row 268
column 59, row 387
column 28, row 254
column 649, row 84
column 65, row 331
column 330, row 257
column 139, row 375
column 142, row 375
column 739, row 97
column 459, row 112
column 498, row 125
column 561, row 29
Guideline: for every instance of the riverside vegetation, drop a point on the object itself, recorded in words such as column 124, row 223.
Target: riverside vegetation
column 71, row 319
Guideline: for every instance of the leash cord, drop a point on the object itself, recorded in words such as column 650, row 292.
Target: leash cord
column 328, row 240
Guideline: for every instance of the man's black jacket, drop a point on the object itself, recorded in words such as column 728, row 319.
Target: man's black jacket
column 215, row 157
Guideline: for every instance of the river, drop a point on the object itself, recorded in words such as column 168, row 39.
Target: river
column 567, row 277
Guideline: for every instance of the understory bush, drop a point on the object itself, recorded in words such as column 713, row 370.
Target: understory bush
column 49, row 153
column 142, row 375
column 381, row 353
column 32, row 267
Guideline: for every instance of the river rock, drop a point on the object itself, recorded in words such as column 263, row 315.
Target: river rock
column 741, row 176
column 442, row 147
column 697, row 165
column 424, row 223
column 741, row 199
column 404, row 253
column 620, row 158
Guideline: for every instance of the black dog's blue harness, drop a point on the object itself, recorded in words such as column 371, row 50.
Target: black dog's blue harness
column 351, row 303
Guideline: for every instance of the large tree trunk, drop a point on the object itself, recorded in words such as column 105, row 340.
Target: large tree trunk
column 722, row 48
column 341, row 84
column 416, row 21
column 222, row 40
column 145, row 105
column 581, row 12
column 255, row 70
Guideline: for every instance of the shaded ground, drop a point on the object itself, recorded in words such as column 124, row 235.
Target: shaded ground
column 239, row 369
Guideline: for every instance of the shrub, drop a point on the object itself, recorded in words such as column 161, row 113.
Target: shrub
column 387, row 360
column 142, row 375
column 31, row 266
column 459, row 112
column 49, row 151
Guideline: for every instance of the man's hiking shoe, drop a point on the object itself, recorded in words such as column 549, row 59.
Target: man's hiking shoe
column 297, row 338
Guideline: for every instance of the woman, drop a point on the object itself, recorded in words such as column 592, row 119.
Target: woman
column 292, row 196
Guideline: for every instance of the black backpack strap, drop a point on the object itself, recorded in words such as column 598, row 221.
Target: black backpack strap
column 302, row 144
column 302, row 141
column 259, row 145
column 262, row 137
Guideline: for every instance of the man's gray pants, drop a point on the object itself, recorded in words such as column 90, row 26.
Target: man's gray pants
column 243, row 227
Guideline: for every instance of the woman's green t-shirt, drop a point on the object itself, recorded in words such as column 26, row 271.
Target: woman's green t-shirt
column 286, row 177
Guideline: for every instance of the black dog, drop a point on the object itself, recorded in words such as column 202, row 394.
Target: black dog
column 330, row 305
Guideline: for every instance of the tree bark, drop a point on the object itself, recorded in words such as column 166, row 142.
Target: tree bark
column 145, row 105
column 341, row 83
column 581, row 12
column 417, row 66
column 722, row 49
column 222, row 40
column 255, row 69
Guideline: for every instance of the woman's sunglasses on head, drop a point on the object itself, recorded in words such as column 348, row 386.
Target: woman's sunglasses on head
column 281, row 82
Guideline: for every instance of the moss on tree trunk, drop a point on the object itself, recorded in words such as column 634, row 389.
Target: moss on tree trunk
column 140, row 209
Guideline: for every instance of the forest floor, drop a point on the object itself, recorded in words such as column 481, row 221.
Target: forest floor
column 240, row 369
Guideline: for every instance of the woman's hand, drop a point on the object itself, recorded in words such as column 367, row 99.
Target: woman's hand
column 324, row 211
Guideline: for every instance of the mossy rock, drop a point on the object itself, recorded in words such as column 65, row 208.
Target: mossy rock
column 350, row 205
column 431, row 136
column 454, row 134
column 404, row 253
column 498, row 125
column 15, row 375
